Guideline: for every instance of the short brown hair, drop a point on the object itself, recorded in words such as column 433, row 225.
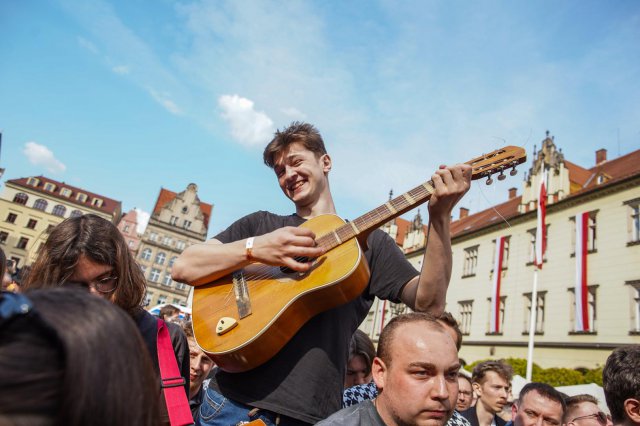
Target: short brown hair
column 575, row 400
column 388, row 332
column 97, row 239
column 297, row 131
column 503, row 370
column 448, row 319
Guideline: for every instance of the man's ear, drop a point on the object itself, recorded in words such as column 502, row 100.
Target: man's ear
column 326, row 163
column 379, row 372
column 514, row 410
column 477, row 388
column 632, row 410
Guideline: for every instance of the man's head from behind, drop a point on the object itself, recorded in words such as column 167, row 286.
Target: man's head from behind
column 539, row 404
column 491, row 382
column 416, row 371
column 583, row 410
column 621, row 380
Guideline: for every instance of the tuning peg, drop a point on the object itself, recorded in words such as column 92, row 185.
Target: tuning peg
column 489, row 180
column 501, row 176
column 513, row 171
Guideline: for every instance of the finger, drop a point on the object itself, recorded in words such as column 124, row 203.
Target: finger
column 301, row 241
column 446, row 176
column 303, row 232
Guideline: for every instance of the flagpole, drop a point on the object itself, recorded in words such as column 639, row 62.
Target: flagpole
column 532, row 323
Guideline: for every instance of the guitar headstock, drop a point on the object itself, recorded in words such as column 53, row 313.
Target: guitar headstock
column 497, row 161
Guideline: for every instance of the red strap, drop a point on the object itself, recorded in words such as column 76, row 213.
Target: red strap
column 172, row 382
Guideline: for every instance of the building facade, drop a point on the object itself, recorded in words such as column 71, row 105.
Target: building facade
column 128, row 227
column 610, row 193
column 30, row 207
column 178, row 220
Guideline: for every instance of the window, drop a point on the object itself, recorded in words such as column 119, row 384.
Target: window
column 181, row 286
column 126, row 228
column 3, row 237
column 465, row 307
column 40, row 204
column 591, row 233
column 143, row 268
column 97, row 202
column 65, row 192
column 531, row 258
column 176, row 301
column 505, row 253
column 32, row 224
column 11, row 217
column 33, row 181
column 470, row 261
column 155, row 275
column 166, row 280
column 153, row 236
column 59, row 210
column 635, row 305
column 82, row 197
column 180, row 245
column 173, row 220
column 184, row 210
column 187, row 224
column 591, row 306
column 75, row 213
column 540, row 299
column 21, row 198
column 503, row 300
column 160, row 258
column 172, row 261
column 146, row 254
column 162, row 299
column 147, row 298
column 22, row 243
column 633, row 221
column 166, row 241
column 49, row 187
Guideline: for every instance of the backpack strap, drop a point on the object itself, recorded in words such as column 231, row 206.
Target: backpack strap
column 172, row 383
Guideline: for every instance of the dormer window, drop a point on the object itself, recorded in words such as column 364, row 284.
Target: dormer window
column 33, row 181
column 82, row 197
column 97, row 202
column 65, row 192
column 600, row 179
column 49, row 187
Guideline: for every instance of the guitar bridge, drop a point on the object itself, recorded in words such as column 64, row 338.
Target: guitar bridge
column 241, row 291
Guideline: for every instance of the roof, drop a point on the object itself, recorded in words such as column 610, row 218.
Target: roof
column 586, row 179
column 109, row 205
column 130, row 216
column 167, row 196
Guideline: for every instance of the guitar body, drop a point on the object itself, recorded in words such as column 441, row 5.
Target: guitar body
column 281, row 301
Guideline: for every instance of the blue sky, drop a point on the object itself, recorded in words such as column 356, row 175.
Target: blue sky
column 125, row 97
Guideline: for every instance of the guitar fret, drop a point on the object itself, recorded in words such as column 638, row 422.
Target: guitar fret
column 408, row 197
column 390, row 207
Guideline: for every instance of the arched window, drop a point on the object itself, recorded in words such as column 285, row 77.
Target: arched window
column 160, row 257
column 20, row 198
column 75, row 213
column 146, row 254
column 40, row 204
column 172, row 261
column 59, row 210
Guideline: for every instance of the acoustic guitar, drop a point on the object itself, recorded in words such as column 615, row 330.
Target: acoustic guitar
column 243, row 319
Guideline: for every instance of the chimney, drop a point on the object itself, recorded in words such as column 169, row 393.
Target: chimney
column 512, row 193
column 601, row 156
column 464, row 212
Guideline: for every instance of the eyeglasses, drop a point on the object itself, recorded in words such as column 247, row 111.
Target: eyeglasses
column 103, row 285
column 600, row 417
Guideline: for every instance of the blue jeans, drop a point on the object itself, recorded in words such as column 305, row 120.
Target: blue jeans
column 216, row 410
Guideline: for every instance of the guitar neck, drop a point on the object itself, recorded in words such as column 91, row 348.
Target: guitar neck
column 378, row 216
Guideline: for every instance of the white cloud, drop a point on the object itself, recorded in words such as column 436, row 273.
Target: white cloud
column 121, row 69
column 248, row 126
column 83, row 42
column 143, row 220
column 164, row 100
column 40, row 155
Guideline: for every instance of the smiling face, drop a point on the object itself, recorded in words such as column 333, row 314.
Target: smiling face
column 302, row 175
column 419, row 386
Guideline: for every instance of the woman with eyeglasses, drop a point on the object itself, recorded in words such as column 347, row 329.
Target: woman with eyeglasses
column 89, row 252
column 59, row 366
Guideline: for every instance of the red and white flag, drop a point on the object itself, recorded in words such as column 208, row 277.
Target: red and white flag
column 581, row 290
column 541, row 230
column 494, row 320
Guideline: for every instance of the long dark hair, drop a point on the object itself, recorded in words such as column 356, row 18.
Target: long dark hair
column 97, row 239
column 75, row 360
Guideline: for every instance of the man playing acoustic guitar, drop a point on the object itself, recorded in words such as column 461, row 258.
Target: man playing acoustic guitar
column 302, row 383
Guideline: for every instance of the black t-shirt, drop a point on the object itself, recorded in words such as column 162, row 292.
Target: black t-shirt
column 304, row 380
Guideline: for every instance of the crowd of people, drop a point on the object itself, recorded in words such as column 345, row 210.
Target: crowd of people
column 77, row 348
